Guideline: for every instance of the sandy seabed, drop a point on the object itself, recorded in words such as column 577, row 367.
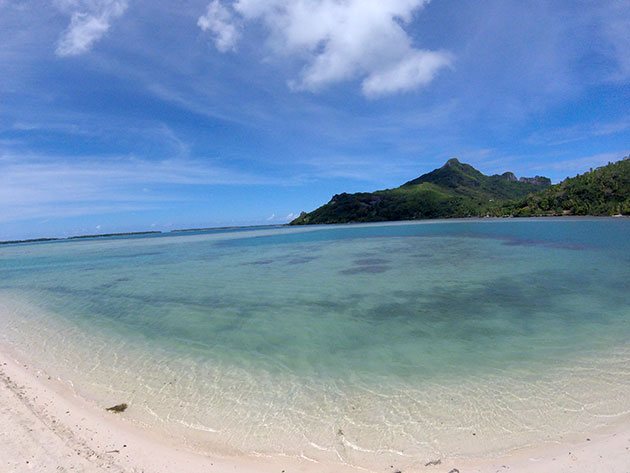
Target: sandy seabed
column 44, row 426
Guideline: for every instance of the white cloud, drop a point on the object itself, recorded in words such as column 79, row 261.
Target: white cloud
column 416, row 70
column 275, row 219
column 219, row 21
column 338, row 40
column 89, row 21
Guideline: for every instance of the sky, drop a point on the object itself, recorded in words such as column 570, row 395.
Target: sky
column 128, row 115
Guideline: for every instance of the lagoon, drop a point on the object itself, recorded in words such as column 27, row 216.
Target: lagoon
column 364, row 345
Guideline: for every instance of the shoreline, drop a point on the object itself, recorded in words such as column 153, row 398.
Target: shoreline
column 45, row 426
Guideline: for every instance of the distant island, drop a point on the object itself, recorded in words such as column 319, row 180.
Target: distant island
column 29, row 240
column 143, row 233
column 110, row 235
column 231, row 227
column 458, row 190
column 78, row 237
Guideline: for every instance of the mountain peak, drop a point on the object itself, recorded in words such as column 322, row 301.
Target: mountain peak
column 509, row 176
column 453, row 174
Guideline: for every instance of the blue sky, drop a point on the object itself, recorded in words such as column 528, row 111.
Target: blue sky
column 119, row 115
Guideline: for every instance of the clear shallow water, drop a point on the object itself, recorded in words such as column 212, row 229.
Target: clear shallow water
column 369, row 345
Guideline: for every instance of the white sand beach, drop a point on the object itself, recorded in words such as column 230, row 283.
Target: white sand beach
column 45, row 427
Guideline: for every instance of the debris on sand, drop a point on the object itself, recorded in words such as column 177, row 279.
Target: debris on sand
column 118, row 408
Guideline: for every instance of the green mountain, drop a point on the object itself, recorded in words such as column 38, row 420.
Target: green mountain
column 602, row 191
column 454, row 190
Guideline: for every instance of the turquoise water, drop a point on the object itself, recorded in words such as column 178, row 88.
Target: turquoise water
column 362, row 344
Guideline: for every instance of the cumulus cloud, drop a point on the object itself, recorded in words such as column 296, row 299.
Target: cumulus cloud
column 338, row 40
column 89, row 21
column 219, row 21
column 416, row 70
